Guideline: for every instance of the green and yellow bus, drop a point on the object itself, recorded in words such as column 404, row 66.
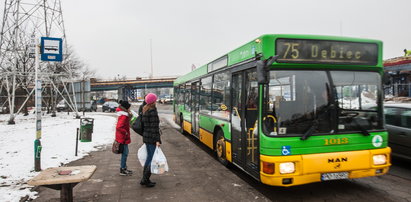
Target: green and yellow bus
column 291, row 109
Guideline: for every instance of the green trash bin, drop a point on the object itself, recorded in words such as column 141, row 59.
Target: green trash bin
column 86, row 129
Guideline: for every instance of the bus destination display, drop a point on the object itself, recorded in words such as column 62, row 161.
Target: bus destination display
column 326, row 51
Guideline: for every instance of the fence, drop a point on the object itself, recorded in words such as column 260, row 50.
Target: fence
column 398, row 90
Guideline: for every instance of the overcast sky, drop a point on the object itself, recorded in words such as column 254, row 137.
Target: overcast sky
column 113, row 37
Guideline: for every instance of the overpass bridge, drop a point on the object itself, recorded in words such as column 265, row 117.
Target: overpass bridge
column 129, row 89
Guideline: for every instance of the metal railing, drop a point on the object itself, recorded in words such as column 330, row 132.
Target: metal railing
column 398, row 90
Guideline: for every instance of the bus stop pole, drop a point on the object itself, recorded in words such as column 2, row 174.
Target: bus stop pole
column 37, row 142
column 77, row 141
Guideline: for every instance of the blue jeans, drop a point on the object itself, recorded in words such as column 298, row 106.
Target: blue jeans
column 124, row 155
column 151, row 148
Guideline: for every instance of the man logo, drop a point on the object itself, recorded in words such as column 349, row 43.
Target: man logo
column 337, row 160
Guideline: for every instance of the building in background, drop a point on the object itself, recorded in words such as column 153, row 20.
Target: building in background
column 399, row 70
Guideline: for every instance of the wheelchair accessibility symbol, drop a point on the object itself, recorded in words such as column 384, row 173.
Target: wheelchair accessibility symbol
column 286, row 150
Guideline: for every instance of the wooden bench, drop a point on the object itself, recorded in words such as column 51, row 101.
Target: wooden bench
column 64, row 179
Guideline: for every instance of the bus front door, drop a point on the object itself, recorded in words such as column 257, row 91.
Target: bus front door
column 244, row 140
column 237, row 122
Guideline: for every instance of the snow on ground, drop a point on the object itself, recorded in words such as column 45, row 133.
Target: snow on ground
column 58, row 142
column 170, row 120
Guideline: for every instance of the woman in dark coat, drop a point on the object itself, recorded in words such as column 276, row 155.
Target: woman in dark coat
column 151, row 135
column 140, row 109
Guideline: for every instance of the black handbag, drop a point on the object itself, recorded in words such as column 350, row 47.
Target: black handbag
column 138, row 125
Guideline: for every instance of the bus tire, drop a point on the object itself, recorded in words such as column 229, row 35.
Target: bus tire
column 220, row 148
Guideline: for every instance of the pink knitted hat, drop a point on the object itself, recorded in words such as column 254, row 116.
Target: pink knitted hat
column 151, row 98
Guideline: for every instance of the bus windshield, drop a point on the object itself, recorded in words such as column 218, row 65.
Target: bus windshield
column 325, row 102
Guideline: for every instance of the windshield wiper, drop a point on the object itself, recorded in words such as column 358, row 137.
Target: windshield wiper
column 352, row 118
column 311, row 130
column 316, row 123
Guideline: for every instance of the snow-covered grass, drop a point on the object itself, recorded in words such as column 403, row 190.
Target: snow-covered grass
column 58, row 142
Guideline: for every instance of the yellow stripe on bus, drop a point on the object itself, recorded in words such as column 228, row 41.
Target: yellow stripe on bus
column 187, row 126
column 228, row 151
column 206, row 138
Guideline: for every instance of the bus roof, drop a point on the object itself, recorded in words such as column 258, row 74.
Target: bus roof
column 265, row 47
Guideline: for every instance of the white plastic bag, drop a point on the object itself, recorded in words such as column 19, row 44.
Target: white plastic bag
column 142, row 154
column 159, row 163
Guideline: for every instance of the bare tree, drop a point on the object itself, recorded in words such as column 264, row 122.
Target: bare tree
column 86, row 73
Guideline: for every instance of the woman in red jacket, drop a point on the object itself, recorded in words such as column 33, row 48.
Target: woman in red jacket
column 123, row 134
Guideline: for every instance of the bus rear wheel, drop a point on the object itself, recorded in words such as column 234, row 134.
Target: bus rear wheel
column 220, row 148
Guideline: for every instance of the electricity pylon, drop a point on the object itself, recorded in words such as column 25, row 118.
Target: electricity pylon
column 21, row 20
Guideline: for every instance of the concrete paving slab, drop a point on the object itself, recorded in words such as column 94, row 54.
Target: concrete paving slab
column 194, row 175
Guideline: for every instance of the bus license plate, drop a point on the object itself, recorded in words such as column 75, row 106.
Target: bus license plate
column 334, row 176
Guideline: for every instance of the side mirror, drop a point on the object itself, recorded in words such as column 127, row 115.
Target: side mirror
column 271, row 60
column 262, row 69
column 261, row 72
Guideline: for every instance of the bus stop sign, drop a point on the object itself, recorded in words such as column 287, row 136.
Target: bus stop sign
column 51, row 49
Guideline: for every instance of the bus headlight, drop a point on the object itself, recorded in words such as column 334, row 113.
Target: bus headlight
column 286, row 168
column 379, row 159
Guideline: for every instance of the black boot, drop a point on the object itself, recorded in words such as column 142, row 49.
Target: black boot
column 146, row 177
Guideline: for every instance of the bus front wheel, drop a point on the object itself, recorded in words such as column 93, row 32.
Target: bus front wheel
column 220, row 148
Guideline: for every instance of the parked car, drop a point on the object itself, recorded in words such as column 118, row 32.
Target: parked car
column 89, row 106
column 159, row 98
column 168, row 99
column 398, row 123
column 4, row 110
column 110, row 106
column 62, row 106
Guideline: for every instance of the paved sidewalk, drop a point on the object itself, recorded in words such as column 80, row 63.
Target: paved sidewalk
column 194, row 175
